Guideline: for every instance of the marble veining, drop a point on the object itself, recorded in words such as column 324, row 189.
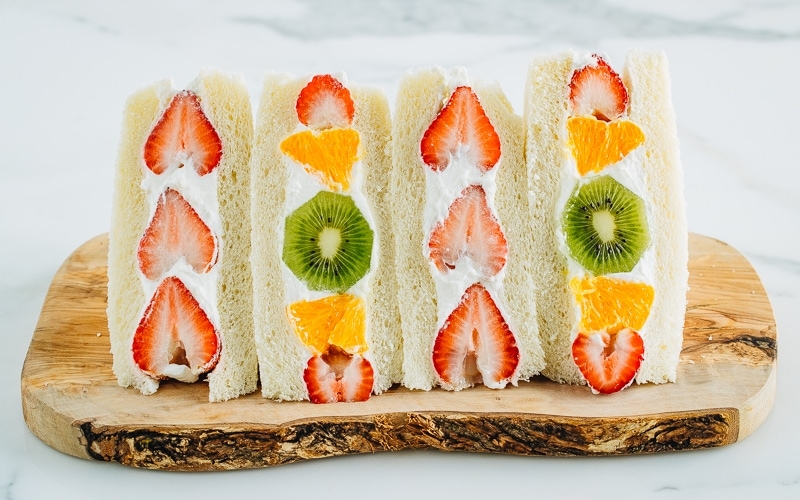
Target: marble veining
column 66, row 69
column 581, row 22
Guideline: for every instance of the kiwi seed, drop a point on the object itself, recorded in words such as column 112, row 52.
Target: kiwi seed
column 605, row 226
column 328, row 243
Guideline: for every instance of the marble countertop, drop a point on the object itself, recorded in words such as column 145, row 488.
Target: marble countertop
column 66, row 69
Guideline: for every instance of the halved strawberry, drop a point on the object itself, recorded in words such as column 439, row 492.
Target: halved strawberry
column 325, row 103
column 597, row 90
column 337, row 376
column 175, row 232
column 475, row 344
column 461, row 128
column 175, row 338
column 183, row 136
column 608, row 361
column 470, row 230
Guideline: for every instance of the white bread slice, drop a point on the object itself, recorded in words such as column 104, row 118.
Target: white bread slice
column 421, row 95
column 282, row 356
column 225, row 102
column 546, row 111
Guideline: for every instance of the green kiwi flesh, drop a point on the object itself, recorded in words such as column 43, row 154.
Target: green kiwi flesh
column 327, row 243
column 605, row 226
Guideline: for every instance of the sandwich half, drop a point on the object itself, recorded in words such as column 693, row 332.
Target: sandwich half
column 461, row 223
column 606, row 199
column 179, row 285
column 326, row 319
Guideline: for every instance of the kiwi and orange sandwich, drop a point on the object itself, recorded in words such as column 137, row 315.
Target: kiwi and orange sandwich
column 609, row 216
column 326, row 321
column 459, row 199
column 179, row 282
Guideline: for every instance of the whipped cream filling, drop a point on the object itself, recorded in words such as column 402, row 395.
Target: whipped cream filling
column 201, row 193
column 442, row 188
column 301, row 186
column 180, row 372
column 628, row 172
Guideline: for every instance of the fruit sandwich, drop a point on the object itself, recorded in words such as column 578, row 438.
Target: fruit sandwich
column 179, row 283
column 326, row 321
column 461, row 222
column 609, row 219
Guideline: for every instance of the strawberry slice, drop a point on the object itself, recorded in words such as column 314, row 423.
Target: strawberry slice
column 183, row 136
column 175, row 338
column 461, row 129
column 475, row 344
column 608, row 361
column 597, row 90
column 337, row 376
column 470, row 230
column 325, row 103
column 175, row 232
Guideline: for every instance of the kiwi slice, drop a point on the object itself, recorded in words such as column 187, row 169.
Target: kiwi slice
column 327, row 243
column 605, row 226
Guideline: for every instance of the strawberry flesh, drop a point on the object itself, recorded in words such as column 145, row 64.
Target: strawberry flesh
column 470, row 231
column 175, row 232
column 461, row 129
column 475, row 344
column 175, row 338
column 183, row 136
column 597, row 90
column 608, row 361
column 325, row 103
column 338, row 376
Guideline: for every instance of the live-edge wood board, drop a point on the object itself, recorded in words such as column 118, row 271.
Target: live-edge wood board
column 725, row 389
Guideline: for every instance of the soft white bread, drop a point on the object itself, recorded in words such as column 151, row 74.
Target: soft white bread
column 282, row 356
column 225, row 102
column 647, row 79
column 546, row 112
column 373, row 121
column 420, row 97
column 418, row 100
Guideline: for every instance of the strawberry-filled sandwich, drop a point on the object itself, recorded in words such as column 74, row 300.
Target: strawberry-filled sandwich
column 326, row 319
column 607, row 199
column 461, row 223
column 179, row 286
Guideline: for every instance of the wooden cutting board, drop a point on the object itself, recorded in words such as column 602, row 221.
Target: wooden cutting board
column 725, row 389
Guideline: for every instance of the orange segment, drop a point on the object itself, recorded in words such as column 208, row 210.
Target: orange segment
column 609, row 305
column 596, row 144
column 338, row 320
column 329, row 155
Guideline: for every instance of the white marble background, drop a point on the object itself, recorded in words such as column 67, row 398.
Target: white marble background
column 66, row 69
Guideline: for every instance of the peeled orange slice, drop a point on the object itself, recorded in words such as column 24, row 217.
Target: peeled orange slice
column 329, row 155
column 338, row 320
column 609, row 304
column 596, row 144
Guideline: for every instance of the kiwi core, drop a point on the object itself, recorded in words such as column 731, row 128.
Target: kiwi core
column 330, row 240
column 603, row 222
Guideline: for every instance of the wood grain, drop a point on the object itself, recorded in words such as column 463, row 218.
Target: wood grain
column 725, row 389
